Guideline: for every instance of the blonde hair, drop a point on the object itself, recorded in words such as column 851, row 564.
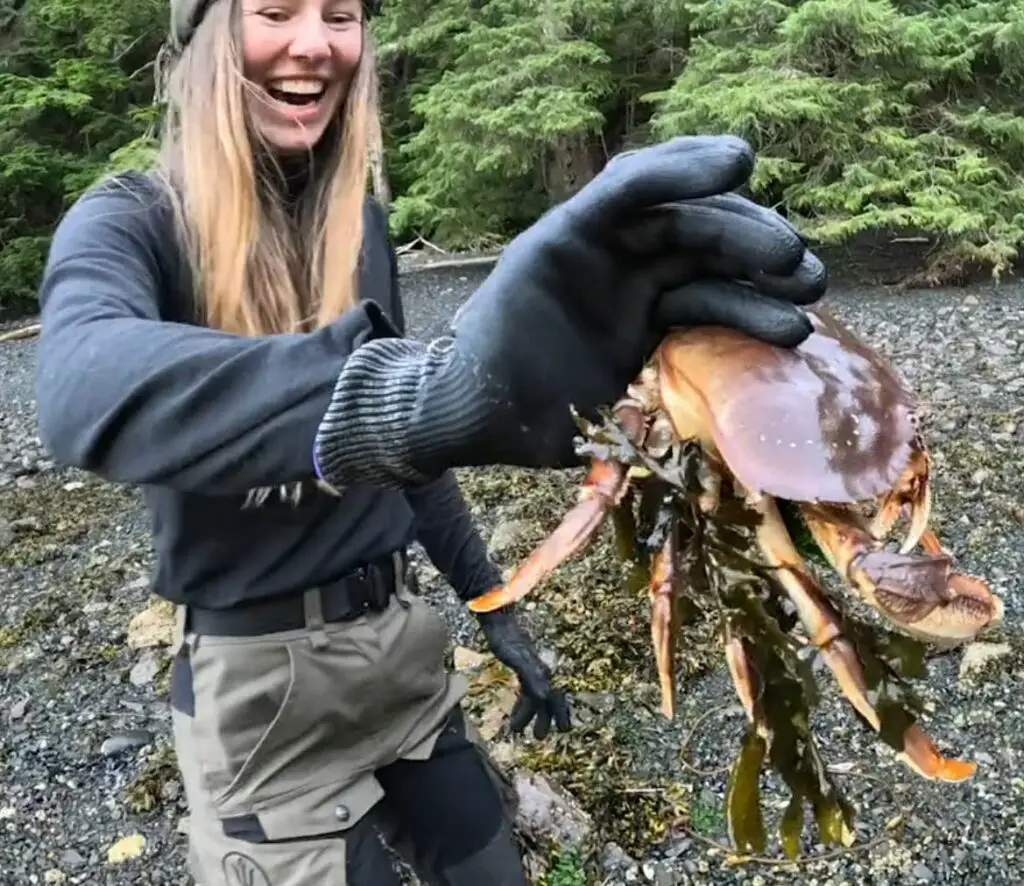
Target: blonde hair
column 259, row 267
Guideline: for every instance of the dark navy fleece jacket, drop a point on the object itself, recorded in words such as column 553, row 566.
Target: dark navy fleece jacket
column 131, row 388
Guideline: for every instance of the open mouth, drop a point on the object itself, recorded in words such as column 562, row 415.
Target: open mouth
column 297, row 93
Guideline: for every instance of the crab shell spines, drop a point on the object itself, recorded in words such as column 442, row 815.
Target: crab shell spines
column 829, row 420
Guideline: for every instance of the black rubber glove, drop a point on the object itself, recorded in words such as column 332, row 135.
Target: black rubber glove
column 575, row 306
column 537, row 697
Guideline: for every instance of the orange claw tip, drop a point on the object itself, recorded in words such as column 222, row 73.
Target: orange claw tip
column 494, row 599
column 923, row 756
column 945, row 769
column 957, row 770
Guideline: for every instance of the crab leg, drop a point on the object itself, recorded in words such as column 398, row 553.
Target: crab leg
column 664, row 621
column 913, row 492
column 918, row 592
column 603, row 488
column 745, row 681
column 822, row 625
column 710, row 475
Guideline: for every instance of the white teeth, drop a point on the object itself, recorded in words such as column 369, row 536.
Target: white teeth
column 300, row 87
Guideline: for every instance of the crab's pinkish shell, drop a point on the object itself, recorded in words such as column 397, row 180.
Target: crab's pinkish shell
column 829, row 420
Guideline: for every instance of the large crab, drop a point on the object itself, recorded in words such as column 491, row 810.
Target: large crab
column 827, row 429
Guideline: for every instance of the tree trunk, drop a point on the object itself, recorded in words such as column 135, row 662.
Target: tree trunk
column 570, row 161
column 378, row 170
column 569, row 164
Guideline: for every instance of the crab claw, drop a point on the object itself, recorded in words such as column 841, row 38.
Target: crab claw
column 822, row 625
column 604, row 487
column 919, row 593
column 941, row 606
column 913, row 492
column 969, row 591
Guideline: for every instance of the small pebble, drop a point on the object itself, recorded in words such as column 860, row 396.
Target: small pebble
column 126, row 741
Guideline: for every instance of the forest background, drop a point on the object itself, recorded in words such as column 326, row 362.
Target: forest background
column 891, row 119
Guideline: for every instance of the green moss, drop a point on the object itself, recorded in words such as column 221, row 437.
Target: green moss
column 145, row 792
column 162, row 684
column 598, row 764
column 53, row 517
column 88, row 657
column 37, row 619
column 565, row 869
column 706, row 817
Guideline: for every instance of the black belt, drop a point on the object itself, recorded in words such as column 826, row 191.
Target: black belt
column 367, row 589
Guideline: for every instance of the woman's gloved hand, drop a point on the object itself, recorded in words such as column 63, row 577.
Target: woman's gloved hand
column 573, row 309
column 539, row 701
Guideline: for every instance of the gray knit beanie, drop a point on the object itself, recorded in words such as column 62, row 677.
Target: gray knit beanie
column 187, row 14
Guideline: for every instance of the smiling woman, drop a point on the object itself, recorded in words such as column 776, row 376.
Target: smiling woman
column 311, row 704
column 300, row 746
column 302, row 58
column 232, row 85
column 226, row 331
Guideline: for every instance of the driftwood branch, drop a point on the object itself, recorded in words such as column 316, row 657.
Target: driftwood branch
column 443, row 264
column 412, row 244
column 29, row 331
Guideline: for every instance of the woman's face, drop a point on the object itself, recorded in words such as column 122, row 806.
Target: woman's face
column 300, row 56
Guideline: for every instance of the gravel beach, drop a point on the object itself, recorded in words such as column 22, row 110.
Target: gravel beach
column 88, row 793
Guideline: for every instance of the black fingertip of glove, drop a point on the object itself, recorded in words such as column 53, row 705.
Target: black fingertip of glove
column 737, row 203
column 805, row 286
column 522, row 713
column 713, row 302
column 560, row 710
column 556, row 711
column 687, row 148
column 524, row 710
column 735, row 155
column 750, row 240
column 542, row 725
column 684, row 168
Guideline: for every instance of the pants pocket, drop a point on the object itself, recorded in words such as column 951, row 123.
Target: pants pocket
column 416, row 644
column 301, row 844
column 305, row 863
column 250, row 713
column 312, row 836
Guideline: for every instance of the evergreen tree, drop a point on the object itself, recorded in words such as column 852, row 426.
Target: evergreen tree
column 899, row 116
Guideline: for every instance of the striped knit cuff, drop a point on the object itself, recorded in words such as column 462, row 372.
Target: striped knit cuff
column 399, row 408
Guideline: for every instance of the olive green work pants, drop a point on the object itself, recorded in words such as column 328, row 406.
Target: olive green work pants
column 299, row 750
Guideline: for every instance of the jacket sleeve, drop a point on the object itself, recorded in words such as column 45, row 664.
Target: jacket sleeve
column 444, row 525
column 445, row 528
column 134, row 398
